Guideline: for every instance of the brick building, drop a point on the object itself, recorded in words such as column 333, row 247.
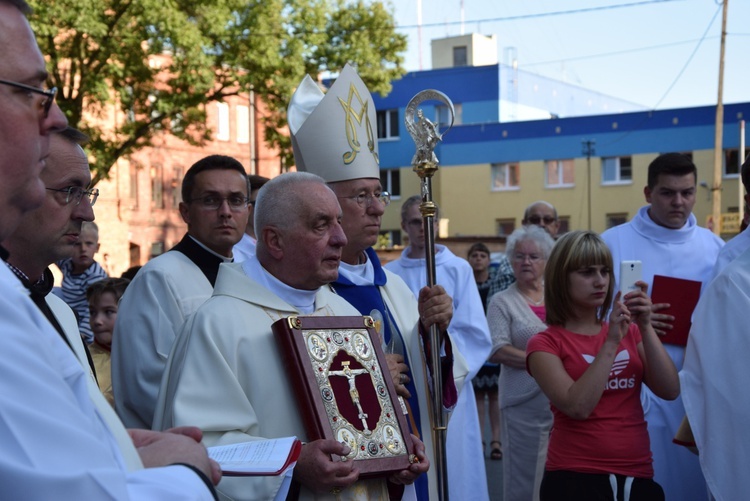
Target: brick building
column 137, row 210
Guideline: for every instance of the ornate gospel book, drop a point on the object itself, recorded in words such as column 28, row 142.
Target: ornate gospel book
column 340, row 376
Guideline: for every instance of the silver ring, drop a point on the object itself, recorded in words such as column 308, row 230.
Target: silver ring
column 402, row 377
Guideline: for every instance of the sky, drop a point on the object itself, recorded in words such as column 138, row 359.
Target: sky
column 660, row 54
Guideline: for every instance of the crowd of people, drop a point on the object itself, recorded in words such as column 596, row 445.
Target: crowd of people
column 113, row 387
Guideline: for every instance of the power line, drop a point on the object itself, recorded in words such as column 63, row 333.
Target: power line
column 687, row 63
column 616, row 53
column 674, row 82
column 536, row 16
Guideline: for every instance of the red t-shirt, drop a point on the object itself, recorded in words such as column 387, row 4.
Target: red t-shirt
column 614, row 438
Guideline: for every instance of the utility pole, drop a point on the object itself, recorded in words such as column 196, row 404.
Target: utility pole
column 718, row 146
column 588, row 149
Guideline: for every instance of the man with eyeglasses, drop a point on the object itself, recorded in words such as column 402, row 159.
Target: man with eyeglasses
column 472, row 338
column 169, row 288
column 55, row 442
column 48, row 234
column 542, row 214
column 334, row 136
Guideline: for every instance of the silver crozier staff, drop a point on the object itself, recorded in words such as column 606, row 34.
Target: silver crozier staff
column 426, row 136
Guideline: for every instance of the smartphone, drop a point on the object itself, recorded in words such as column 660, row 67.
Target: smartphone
column 630, row 273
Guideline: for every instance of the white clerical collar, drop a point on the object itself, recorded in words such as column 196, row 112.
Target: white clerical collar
column 223, row 258
column 302, row 300
column 643, row 224
column 358, row 274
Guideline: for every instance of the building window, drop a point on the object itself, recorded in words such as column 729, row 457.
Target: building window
column 222, row 121
column 157, row 186
column 564, row 226
column 176, row 186
column 243, row 124
column 505, row 176
column 133, row 183
column 504, row 227
column 390, row 180
column 616, row 219
column 388, row 239
column 460, row 56
column 157, row 249
column 443, row 115
column 617, row 170
column 387, row 124
column 732, row 161
column 559, row 173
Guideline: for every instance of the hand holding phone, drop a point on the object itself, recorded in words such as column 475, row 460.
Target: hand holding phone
column 630, row 273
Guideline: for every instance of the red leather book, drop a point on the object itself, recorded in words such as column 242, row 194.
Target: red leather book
column 682, row 296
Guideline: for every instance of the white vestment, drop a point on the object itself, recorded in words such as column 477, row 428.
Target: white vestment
column 688, row 253
column 731, row 251
column 164, row 293
column 56, row 444
column 470, row 333
column 67, row 320
column 713, row 379
column 226, row 376
column 244, row 248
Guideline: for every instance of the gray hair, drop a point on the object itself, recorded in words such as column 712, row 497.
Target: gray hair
column 280, row 202
column 534, row 233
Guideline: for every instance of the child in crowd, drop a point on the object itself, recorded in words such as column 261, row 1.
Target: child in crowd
column 103, row 297
column 592, row 372
column 79, row 272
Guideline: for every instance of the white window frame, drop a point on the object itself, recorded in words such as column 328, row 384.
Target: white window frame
column 505, row 169
column 386, row 180
column 559, row 182
column 618, row 171
column 242, row 113
column 388, row 124
column 222, row 121
column 441, row 115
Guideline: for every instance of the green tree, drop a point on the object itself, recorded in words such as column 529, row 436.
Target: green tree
column 101, row 55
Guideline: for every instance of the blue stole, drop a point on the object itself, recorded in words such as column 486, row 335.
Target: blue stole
column 368, row 301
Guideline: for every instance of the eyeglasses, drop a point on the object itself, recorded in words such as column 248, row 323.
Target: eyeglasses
column 539, row 219
column 237, row 203
column 523, row 257
column 49, row 95
column 366, row 199
column 76, row 194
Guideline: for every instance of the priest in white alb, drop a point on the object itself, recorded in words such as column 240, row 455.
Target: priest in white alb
column 226, row 374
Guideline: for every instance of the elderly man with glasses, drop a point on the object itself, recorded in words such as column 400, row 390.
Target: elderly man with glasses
column 544, row 215
column 169, row 288
column 333, row 135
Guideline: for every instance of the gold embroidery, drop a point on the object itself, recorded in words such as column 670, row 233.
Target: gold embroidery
column 354, row 119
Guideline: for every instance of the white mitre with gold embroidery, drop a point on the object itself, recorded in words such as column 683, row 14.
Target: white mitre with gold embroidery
column 334, row 135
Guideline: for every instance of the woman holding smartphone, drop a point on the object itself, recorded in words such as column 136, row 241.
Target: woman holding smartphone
column 592, row 371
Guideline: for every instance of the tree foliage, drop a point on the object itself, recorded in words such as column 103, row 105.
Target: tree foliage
column 102, row 52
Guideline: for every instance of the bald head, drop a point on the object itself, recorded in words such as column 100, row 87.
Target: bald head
column 542, row 214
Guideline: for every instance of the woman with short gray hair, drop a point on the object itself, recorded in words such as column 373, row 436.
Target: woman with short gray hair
column 514, row 316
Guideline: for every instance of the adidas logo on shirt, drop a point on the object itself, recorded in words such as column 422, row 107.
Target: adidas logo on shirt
column 621, row 362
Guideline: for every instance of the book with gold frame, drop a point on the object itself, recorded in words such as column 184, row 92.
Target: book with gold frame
column 345, row 393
